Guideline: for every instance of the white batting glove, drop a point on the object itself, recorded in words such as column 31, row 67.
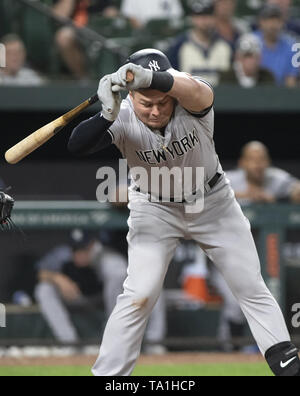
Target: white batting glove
column 111, row 101
column 142, row 78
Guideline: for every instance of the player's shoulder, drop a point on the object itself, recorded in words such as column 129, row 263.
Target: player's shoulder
column 287, row 40
column 202, row 80
column 209, row 112
column 235, row 174
column 277, row 174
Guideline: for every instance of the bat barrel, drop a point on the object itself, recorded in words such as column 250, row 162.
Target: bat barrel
column 41, row 136
column 33, row 141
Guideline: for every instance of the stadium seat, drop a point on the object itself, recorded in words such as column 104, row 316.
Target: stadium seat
column 8, row 15
column 248, row 8
column 164, row 27
column 111, row 27
column 117, row 3
column 37, row 33
column 105, row 63
column 4, row 21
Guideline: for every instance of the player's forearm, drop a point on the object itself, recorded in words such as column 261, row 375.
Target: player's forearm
column 90, row 136
column 192, row 95
column 48, row 276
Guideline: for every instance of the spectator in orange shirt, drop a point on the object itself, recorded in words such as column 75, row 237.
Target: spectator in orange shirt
column 66, row 39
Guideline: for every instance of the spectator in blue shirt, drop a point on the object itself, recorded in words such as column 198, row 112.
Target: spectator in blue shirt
column 292, row 21
column 277, row 54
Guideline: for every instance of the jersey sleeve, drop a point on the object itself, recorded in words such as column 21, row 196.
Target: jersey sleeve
column 237, row 180
column 55, row 259
column 118, row 129
column 205, row 111
column 283, row 183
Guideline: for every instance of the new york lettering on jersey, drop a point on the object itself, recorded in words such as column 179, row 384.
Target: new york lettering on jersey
column 176, row 148
column 187, row 142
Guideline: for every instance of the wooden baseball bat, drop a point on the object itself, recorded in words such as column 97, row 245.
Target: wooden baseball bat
column 42, row 135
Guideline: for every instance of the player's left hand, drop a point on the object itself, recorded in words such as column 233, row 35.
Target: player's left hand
column 111, row 101
column 142, row 78
column 6, row 207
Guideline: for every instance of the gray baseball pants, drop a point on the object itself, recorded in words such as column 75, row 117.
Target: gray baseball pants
column 223, row 232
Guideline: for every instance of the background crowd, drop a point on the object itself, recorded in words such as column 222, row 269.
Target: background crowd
column 247, row 43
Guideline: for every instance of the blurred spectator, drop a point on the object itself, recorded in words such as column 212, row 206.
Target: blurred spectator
column 141, row 12
column 232, row 322
column 67, row 41
column 201, row 51
column 246, row 70
column 196, row 277
column 229, row 27
column 194, row 273
column 292, row 24
column 257, row 181
column 77, row 275
column 254, row 181
column 16, row 72
column 277, row 51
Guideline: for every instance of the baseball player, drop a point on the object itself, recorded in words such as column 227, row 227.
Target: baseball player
column 167, row 120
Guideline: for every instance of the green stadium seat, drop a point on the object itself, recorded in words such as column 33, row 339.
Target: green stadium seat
column 111, row 27
column 7, row 17
column 117, row 3
column 106, row 63
column 248, row 7
column 38, row 33
column 164, row 27
column 4, row 20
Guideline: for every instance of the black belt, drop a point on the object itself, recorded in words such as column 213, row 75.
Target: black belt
column 215, row 180
column 211, row 184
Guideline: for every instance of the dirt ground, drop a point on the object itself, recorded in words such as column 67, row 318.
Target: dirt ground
column 171, row 358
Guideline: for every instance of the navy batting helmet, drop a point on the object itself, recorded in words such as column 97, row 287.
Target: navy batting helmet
column 151, row 59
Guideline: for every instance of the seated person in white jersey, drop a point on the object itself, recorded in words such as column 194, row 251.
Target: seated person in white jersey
column 167, row 120
column 256, row 180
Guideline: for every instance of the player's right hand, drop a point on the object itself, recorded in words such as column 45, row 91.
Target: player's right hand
column 111, row 101
column 142, row 78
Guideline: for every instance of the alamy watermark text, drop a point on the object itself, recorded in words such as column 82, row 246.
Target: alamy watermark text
column 296, row 57
column 2, row 56
column 296, row 316
column 2, row 315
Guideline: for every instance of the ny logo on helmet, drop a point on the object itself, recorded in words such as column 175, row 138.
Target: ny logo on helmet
column 154, row 66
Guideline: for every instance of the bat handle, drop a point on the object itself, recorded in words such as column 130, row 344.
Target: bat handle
column 130, row 77
column 94, row 99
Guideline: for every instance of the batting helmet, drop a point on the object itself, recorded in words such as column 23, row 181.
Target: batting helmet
column 151, row 59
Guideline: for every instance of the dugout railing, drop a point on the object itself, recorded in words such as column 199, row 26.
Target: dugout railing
column 271, row 223
column 189, row 329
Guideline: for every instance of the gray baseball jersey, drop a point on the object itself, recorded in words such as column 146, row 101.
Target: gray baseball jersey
column 187, row 142
column 277, row 182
